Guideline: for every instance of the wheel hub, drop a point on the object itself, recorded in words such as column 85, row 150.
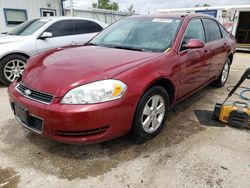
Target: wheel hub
column 153, row 114
column 13, row 69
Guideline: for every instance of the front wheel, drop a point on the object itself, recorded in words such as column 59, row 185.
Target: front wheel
column 220, row 82
column 150, row 114
column 11, row 67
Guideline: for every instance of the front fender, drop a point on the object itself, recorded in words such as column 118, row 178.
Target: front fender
column 141, row 78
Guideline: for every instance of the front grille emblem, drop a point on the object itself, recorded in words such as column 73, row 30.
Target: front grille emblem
column 27, row 92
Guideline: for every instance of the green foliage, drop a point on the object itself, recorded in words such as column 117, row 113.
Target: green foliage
column 131, row 9
column 106, row 4
column 204, row 5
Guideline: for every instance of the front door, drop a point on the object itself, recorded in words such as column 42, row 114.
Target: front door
column 194, row 63
column 62, row 35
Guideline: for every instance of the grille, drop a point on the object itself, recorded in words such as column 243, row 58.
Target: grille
column 34, row 95
column 35, row 123
column 91, row 132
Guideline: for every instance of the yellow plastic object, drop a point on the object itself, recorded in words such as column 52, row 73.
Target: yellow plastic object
column 225, row 112
column 227, row 109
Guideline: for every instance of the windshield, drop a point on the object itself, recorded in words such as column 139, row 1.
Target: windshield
column 144, row 34
column 28, row 28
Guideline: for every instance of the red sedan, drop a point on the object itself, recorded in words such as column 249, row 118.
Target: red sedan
column 124, row 80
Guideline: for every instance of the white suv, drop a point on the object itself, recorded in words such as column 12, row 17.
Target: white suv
column 38, row 35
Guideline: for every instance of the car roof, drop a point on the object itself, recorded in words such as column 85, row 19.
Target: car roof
column 58, row 18
column 63, row 18
column 173, row 15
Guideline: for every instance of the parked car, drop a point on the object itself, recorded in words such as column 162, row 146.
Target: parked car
column 124, row 80
column 38, row 35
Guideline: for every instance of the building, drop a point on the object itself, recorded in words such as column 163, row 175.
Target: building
column 107, row 16
column 14, row 12
column 235, row 18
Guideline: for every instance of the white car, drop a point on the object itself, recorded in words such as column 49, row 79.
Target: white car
column 35, row 36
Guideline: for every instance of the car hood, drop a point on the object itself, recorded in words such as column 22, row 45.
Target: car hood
column 10, row 38
column 59, row 70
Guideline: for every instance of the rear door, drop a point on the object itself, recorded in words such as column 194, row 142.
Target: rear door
column 194, row 62
column 218, row 46
column 85, row 30
column 62, row 35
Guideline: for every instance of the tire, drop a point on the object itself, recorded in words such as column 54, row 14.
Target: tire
column 221, row 81
column 154, row 121
column 11, row 67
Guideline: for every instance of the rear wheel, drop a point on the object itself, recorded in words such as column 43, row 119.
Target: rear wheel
column 150, row 114
column 11, row 67
column 220, row 82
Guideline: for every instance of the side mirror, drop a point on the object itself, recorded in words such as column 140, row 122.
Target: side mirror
column 45, row 35
column 194, row 43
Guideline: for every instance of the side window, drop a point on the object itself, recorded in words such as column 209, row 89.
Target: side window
column 212, row 30
column 194, row 31
column 85, row 26
column 61, row 28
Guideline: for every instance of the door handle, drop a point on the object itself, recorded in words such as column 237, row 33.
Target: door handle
column 225, row 45
column 206, row 51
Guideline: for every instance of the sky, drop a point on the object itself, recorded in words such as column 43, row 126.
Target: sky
column 144, row 6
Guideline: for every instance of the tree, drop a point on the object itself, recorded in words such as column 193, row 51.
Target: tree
column 106, row 4
column 131, row 9
column 204, row 5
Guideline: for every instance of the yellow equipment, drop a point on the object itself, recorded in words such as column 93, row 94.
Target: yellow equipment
column 234, row 113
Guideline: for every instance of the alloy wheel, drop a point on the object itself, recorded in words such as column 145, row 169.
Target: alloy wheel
column 13, row 69
column 225, row 73
column 153, row 114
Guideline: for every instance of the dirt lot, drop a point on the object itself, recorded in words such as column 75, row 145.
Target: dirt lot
column 191, row 151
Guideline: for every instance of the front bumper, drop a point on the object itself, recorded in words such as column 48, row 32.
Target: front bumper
column 78, row 124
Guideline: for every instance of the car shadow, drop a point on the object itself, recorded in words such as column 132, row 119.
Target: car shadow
column 81, row 161
column 206, row 118
column 2, row 85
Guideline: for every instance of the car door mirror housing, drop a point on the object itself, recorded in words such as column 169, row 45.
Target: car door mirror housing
column 194, row 43
column 45, row 35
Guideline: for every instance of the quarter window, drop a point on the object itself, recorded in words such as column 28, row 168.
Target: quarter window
column 223, row 31
column 61, row 28
column 85, row 26
column 212, row 30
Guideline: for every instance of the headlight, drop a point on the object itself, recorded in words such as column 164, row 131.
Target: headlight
column 95, row 92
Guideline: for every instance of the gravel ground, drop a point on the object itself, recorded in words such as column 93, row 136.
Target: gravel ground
column 191, row 151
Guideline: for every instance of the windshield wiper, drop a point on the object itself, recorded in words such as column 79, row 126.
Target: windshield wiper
column 130, row 48
column 91, row 44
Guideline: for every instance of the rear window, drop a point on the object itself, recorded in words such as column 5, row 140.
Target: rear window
column 212, row 30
